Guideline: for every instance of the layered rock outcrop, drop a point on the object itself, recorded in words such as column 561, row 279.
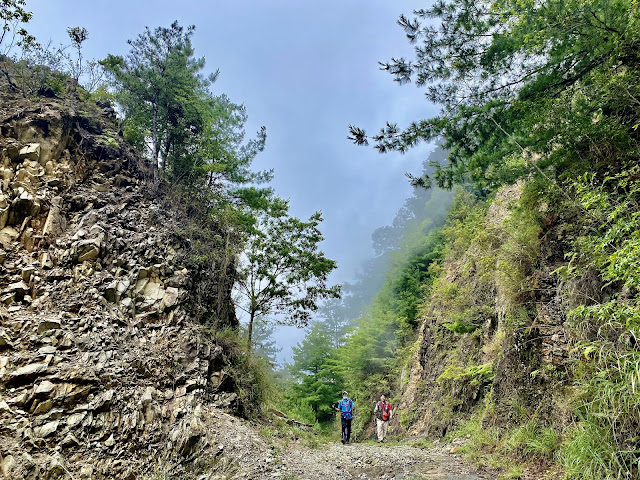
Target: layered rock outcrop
column 106, row 370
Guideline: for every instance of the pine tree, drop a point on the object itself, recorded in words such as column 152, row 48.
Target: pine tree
column 519, row 84
column 316, row 370
column 189, row 134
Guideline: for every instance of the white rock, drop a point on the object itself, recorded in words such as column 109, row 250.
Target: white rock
column 110, row 442
column 46, row 429
column 171, row 296
column 45, row 388
column 30, row 151
column 154, row 290
column 8, row 235
column 7, row 465
column 4, row 407
column 30, row 370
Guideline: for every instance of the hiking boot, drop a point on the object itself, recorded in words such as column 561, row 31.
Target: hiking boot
column 343, row 440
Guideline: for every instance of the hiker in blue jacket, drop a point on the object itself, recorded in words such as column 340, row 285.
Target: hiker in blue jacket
column 345, row 407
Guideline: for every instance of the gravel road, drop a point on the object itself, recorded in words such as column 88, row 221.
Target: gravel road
column 365, row 461
column 246, row 454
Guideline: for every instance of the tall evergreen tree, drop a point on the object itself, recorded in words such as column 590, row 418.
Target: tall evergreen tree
column 161, row 91
column 316, row 370
column 519, row 84
column 169, row 112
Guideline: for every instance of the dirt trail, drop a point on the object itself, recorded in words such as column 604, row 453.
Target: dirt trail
column 251, row 452
column 365, row 461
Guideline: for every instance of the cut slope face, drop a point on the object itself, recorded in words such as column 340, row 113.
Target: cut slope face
column 105, row 370
column 494, row 332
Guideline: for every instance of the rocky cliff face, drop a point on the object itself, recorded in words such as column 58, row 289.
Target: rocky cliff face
column 106, row 370
column 494, row 340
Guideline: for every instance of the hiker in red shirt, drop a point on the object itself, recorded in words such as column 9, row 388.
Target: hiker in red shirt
column 383, row 413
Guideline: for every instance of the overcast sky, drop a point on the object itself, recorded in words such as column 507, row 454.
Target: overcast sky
column 305, row 70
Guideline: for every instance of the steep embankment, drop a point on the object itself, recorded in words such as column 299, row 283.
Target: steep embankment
column 105, row 368
column 494, row 344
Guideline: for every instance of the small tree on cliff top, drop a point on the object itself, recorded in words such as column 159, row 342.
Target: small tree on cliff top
column 12, row 33
column 162, row 92
column 192, row 135
column 283, row 273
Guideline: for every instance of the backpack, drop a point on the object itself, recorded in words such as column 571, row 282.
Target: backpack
column 348, row 407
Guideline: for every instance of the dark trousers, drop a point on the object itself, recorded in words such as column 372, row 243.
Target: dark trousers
column 346, row 428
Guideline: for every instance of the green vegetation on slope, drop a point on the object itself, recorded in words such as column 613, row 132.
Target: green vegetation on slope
column 541, row 94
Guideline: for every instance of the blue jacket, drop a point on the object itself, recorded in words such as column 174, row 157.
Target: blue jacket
column 346, row 408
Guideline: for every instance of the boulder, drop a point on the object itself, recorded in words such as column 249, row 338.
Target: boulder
column 147, row 397
column 47, row 429
column 45, row 388
column 23, row 205
column 87, row 250
column 27, row 272
column 170, row 297
column 4, row 408
column 47, row 350
column 28, row 239
column 55, row 223
column 18, row 290
column 19, row 400
column 7, row 466
column 45, row 261
column 43, row 407
column 153, row 291
column 30, row 151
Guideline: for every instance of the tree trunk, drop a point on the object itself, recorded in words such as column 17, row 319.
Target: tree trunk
column 165, row 155
column 156, row 147
column 250, row 333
